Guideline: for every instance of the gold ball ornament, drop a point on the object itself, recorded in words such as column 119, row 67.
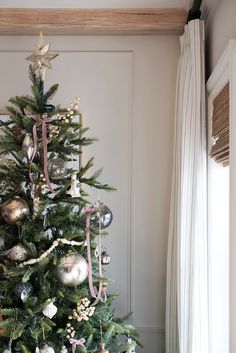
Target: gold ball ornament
column 14, row 210
column 72, row 270
column 18, row 253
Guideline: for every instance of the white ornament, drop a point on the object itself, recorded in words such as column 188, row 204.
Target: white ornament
column 132, row 346
column 37, row 350
column 50, row 310
column 74, row 190
column 46, row 349
column 64, row 350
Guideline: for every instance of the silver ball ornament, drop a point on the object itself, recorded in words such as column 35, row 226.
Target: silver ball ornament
column 23, row 291
column 104, row 217
column 14, row 210
column 72, row 270
column 56, row 169
column 46, row 349
column 18, row 253
column 105, row 258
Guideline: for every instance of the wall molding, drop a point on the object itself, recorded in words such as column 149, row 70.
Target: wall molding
column 15, row 21
column 151, row 330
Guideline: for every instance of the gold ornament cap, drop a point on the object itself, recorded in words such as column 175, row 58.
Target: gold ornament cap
column 102, row 348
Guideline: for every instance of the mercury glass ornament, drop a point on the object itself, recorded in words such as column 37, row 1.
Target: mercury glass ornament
column 14, row 210
column 72, row 270
column 105, row 258
column 46, row 349
column 28, row 145
column 23, row 291
column 18, row 253
column 56, row 169
column 104, row 217
column 50, row 310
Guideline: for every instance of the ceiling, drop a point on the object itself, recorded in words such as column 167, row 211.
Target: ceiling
column 96, row 3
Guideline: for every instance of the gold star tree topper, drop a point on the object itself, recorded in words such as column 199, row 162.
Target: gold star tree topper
column 42, row 56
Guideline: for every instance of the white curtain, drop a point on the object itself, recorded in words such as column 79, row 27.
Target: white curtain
column 187, row 289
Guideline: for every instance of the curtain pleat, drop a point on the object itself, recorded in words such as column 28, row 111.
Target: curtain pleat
column 187, row 285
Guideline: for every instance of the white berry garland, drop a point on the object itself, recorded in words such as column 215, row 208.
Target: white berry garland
column 52, row 247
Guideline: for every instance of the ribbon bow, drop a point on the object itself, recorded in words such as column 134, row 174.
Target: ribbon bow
column 45, row 150
column 74, row 342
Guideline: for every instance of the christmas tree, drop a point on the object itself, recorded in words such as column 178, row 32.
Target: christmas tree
column 53, row 290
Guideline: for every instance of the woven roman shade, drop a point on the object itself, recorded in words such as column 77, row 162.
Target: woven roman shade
column 220, row 127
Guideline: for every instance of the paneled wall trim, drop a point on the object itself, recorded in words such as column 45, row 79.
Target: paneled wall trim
column 92, row 21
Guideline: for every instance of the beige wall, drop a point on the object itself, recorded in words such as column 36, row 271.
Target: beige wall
column 127, row 91
column 220, row 28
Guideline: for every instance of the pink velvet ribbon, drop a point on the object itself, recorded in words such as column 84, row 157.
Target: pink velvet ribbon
column 45, row 148
column 74, row 342
column 97, row 296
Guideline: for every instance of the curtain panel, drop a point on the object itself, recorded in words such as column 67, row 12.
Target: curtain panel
column 187, row 287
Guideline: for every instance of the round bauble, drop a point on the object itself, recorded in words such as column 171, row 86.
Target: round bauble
column 105, row 258
column 50, row 310
column 104, row 217
column 23, row 291
column 18, row 253
column 46, row 349
column 14, row 210
column 72, row 270
column 56, row 169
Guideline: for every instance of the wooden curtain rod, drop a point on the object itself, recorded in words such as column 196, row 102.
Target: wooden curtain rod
column 14, row 21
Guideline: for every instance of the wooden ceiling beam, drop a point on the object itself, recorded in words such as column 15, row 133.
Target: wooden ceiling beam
column 15, row 21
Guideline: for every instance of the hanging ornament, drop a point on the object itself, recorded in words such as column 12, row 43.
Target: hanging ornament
column 8, row 349
column 56, row 169
column 104, row 291
column 14, row 210
column 132, row 345
column 18, row 253
column 105, row 258
column 72, row 270
column 74, row 190
column 64, row 349
column 2, row 243
column 42, row 56
column 46, row 349
column 23, row 291
column 102, row 348
column 104, row 217
column 37, row 350
column 50, row 309
column 28, row 145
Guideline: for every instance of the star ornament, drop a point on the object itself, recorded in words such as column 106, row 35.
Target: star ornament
column 42, row 56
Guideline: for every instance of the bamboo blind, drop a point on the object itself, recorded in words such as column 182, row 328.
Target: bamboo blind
column 220, row 127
